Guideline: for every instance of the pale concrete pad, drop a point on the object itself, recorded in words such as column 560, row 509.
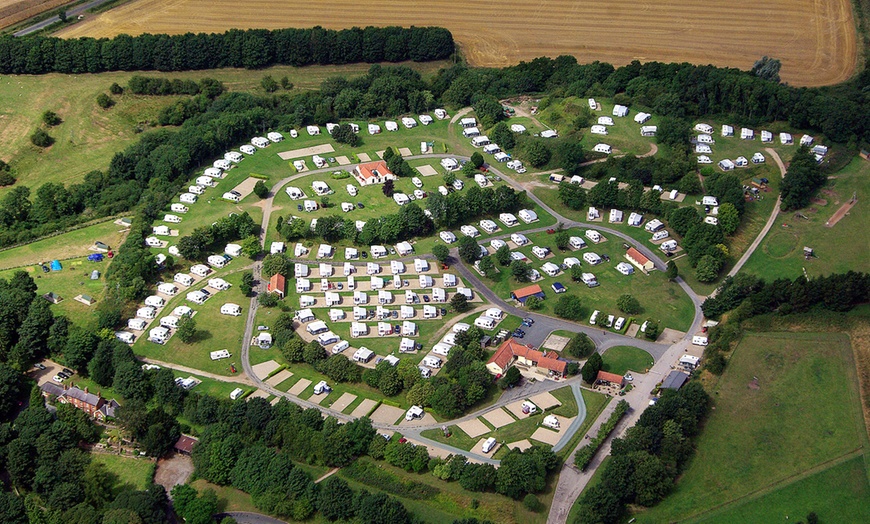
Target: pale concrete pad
column 425, row 419
column 363, row 409
column 545, row 401
column 262, row 370
column 521, row 445
column 246, row 187
column 516, row 409
column 387, row 414
column 564, row 423
column 307, row 151
column 473, row 428
column 299, row 387
column 343, row 401
column 498, row 418
column 342, row 160
column 426, row 170
column 556, row 342
column 279, row 377
column 670, row 336
column 547, row 436
column 258, row 394
column 433, row 451
column 275, row 400
column 364, row 157
column 478, row 448
column 318, row 399
column 404, row 151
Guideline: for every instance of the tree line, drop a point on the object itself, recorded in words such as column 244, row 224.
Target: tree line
column 644, row 464
column 249, row 49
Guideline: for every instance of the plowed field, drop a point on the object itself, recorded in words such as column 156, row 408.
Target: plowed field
column 815, row 39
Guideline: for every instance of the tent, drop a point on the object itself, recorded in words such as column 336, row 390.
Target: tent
column 95, row 257
column 55, row 265
column 95, row 275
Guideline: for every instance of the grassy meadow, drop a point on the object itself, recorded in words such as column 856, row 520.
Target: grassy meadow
column 787, row 404
column 130, row 473
column 622, row 359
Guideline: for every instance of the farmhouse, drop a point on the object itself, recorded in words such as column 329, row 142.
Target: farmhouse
column 620, row 111
column 521, row 295
column 94, row 405
column 648, row 130
column 638, row 259
column 513, row 353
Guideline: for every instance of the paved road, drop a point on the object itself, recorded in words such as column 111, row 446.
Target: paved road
column 544, row 325
column 75, row 11
column 241, row 379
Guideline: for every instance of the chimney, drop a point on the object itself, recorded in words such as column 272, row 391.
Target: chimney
column 86, row 389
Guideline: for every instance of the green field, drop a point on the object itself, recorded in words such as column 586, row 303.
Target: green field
column 660, row 299
column 74, row 279
column 76, row 243
column 786, row 404
column 130, row 473
column 216, row 331
column 780, row 254
column 89, row 135
column 452, row 502
column 837, row 494
column 622, row 359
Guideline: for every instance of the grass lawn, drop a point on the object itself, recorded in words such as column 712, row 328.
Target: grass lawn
column 74, row 279
column 786, row 403
column 216, row 331
column 212, row 387
column 621, row 359
column 780, row 254
column 840, row 493
column 130, row 473
column 451, row 501
column 595, row 404
column 660, row 299
column 89, row 135
column 76, row 243
column 623, row 136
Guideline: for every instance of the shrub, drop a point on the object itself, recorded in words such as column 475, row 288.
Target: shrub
column 51, row 119
column 105, row 101
column 40, row 138
column 116, row 89
column 532, row 503
column 260, row 189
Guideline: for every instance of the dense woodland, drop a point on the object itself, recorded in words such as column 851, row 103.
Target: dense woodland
column 250, row 49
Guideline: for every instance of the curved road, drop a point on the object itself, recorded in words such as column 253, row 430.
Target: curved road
column 571, row 481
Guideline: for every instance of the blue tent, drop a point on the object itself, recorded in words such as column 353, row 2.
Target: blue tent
column 95, row 257
column 55, row 265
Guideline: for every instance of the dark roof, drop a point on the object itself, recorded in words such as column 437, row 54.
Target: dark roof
column 83, row 396
column 108, row 409
column 185, row 444
column 675, row 380
column 51, row 389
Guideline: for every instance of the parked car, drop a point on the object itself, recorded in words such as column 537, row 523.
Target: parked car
column 425, row 298
column 360, row 205
column 68, row 371
column 528, row 322
column 262, row 328
column 365, row 254
column 56, row 378
column 299, row 207
column 39, row 366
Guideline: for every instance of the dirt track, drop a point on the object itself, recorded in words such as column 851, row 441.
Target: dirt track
column 843, row 211
column 815, row 39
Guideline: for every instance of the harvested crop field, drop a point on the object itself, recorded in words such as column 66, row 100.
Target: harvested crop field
column 815, row 39
column 14, row 11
